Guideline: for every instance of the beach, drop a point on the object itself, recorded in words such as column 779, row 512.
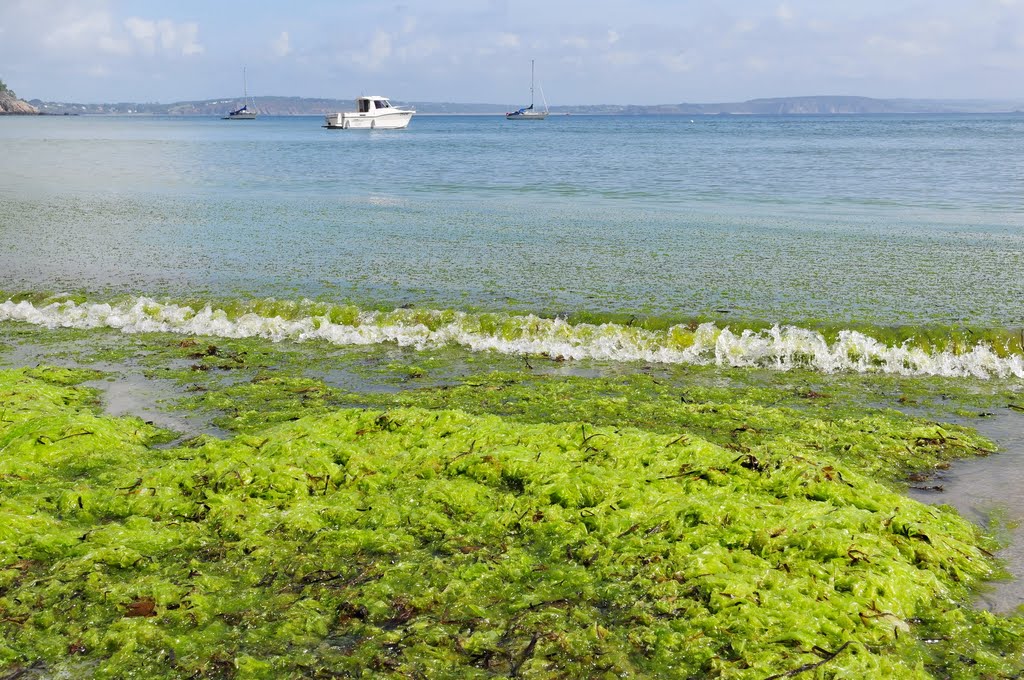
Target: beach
column 618, row 396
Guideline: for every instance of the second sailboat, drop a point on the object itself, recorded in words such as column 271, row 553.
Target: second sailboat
column 528, row 112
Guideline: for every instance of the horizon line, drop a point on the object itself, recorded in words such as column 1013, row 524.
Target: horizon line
column 480, row 103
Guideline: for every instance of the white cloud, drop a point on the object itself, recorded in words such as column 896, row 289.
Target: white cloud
column 508, row 40
column 95, row 31
column 192, row 47
column 420, row 49
column 183, row 37
column 613, row 37
column 76, row 31
column 281, row 46
column 375, row 54
column 144, row 33
column 164, row 35
column 115, row 46
column 756, row 64
column 576, row 42
column 744, row 26
column 785, row 13
column 623, row 58
column 678, row 63
column 929, row 38
column 380, row 46
column 904, row 47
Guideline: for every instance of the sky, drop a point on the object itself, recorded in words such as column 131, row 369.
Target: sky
column 479, row 51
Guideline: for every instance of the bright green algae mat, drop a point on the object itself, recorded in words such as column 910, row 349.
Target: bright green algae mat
column 414, row 542
column 885, row 443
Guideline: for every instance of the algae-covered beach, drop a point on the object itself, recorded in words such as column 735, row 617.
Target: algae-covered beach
column 326, row 512
column 485, row 426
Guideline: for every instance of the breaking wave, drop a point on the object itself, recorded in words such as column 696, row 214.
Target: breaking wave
column 780, row 347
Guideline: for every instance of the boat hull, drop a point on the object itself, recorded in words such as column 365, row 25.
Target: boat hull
column 240, row 116
column 541, row 115
column 392, row 120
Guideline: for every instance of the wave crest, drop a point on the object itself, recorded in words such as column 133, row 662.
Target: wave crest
column 781, row 347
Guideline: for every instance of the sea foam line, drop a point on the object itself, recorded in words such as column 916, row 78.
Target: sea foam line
column 780, row 347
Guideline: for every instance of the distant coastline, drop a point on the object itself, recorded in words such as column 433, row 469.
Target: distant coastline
column 304, row 106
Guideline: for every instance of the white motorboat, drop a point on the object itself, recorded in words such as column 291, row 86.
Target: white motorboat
column 372, row 113
column 243, row 113
column 528, row 112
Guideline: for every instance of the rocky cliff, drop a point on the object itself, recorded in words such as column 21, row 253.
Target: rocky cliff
column 9, row 103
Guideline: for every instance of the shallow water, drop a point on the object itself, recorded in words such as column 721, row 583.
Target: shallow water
column 988, row 491
column 885, row 219
column 132, row 394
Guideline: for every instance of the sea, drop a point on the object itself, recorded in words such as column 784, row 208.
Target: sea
column 881, row 219
column 826, row 243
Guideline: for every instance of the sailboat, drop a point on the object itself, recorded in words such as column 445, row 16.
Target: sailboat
column 528, row 112
column 244, row 113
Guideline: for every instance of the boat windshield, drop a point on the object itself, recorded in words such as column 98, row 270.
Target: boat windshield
column 382, row 104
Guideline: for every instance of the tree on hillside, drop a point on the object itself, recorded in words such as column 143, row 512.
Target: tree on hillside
column 3, row 86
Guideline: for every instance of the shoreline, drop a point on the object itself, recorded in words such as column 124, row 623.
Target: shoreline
column 254, row 392
column 955, row 350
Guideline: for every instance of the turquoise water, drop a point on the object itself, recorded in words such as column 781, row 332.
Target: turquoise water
column 860, row 219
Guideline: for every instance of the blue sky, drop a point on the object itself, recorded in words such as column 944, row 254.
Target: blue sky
column 587, row 51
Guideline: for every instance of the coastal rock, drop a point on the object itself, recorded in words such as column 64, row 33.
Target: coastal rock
column 10, row 104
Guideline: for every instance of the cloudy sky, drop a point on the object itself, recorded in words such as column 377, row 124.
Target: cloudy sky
column 587, row 51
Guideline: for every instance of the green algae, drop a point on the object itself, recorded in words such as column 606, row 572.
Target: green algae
column 435, row 543
column 885, row 443
column 281, row 381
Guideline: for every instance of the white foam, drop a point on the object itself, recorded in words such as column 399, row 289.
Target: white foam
column 779, row 347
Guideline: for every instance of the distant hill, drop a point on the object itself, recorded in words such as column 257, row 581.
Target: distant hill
column 300, row 106
column 816, row 105
column 273, row 106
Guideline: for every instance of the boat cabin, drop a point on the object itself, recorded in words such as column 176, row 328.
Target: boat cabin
column 369, row 104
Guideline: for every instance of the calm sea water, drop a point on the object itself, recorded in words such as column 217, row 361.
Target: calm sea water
column 892, row 220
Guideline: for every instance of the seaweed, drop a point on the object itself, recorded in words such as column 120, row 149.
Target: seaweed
column 437, row 543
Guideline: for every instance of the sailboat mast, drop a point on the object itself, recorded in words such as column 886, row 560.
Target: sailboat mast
column 245, row 88
column 531, row 84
